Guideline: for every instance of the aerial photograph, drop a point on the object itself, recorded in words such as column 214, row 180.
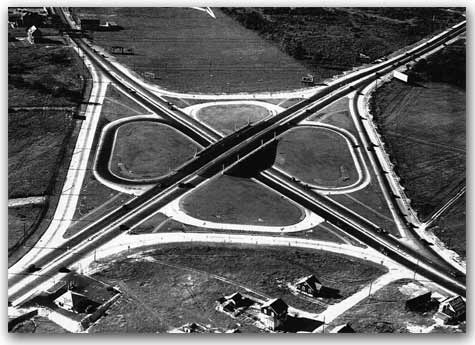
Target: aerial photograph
column 236, row 170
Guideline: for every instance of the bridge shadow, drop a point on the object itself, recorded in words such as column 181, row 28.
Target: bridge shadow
column 253, row 165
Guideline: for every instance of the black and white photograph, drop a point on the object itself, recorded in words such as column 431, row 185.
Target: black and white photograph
column 246, row 170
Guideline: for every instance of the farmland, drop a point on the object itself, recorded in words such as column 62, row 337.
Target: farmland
column 190, row 51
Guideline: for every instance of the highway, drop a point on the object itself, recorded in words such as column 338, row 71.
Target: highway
column 221, row 155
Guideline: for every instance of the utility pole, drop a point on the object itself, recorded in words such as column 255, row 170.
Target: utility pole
column 417, row 265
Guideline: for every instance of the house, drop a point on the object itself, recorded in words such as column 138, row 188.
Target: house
column 274, row 313
column 76, row 302
column 310, row 285
column 451, row 309
column 345, row 328
column 231, row 303
column 420, row 303
column 34, row 35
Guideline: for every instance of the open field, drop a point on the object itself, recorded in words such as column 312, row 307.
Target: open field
column 184, row 275
column 190, row 51
column 227, row 118
column 424, row 132
column 236, row 200
column 41, row 141
column 424, row 127
column 37, row 141
column 328, row 40
column 117, row 106
column 450, row 227
column 318, row 156
column 149, row 149
column 20, row 221
column 384, row 312
column 43, row 75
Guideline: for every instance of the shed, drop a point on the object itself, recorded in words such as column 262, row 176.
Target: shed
column 451, row 309
column 311, row 285
column 34, row 35
column 274, row 313
column 420, row 303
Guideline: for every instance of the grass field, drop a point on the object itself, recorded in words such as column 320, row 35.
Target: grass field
column 190, row 51
column 43, row 75
column 36, row 146
column 230, row 117
column 40, row 141
column 450, row 227
column 20, row 220
column 147, row 149
column 236, row 200
column 159, row 297
column 424, row 129
column 117, row 106
column 318, row 156
column 329, row 40
column 384, row 312
column 369, row 202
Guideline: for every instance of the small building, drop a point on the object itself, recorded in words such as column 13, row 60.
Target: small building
column 110, row 26
column 308, row 79
column 90, row 23
column 310, row 285
column 274, row 313
column 345, row 328
column 406, row 78
column 363, row 57
column 76, row 302
column 34, row 35
column 451, row 309
column 420, row 303
column 230, row 303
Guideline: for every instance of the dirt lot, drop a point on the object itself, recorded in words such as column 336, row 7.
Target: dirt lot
column 230, row 117
column 317, row 156
column 146, row 149
column 236, row 200
column 385, row 312
column 190, row 289
column 190, row 51
column 450, row 227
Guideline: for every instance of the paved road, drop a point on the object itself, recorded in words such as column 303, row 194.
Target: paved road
column 209, row 163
